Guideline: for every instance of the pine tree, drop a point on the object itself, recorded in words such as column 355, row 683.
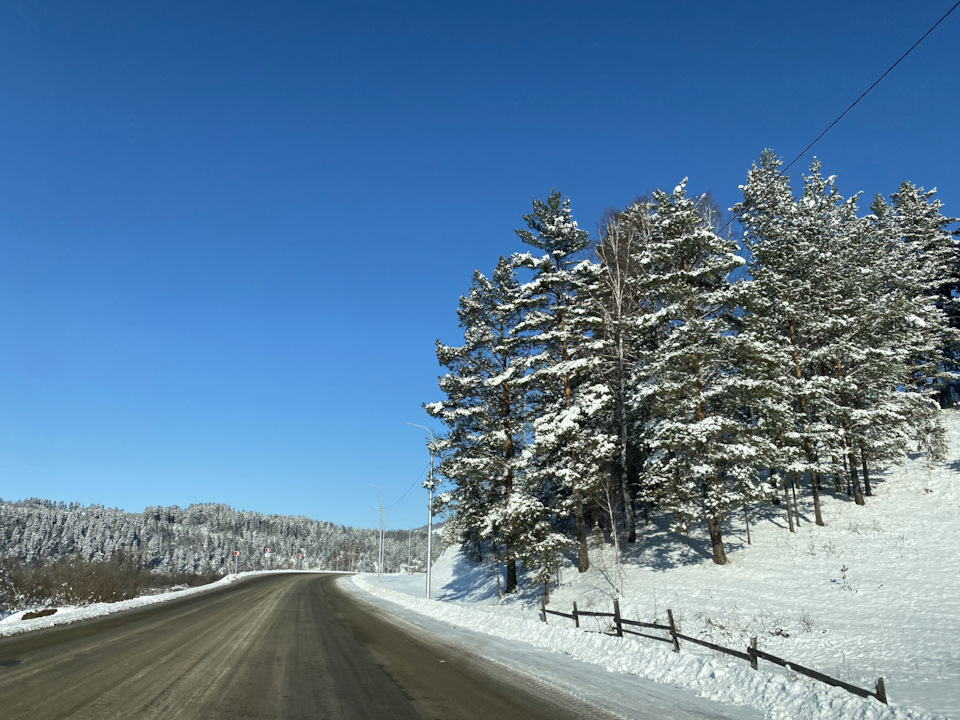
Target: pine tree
column 704, row 454
column 840, row 301
column 484, row 413
column 882, row 349
column 846, row 371
column 568, row 453
column 784, row 311
column 921, row 268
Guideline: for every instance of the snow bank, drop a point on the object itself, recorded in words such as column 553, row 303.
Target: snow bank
column 776, row 696
column 875, row 593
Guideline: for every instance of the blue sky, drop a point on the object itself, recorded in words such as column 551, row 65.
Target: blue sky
column 230, row 233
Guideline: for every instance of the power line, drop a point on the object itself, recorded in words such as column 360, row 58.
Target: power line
column 876, row 82
column 409, row 488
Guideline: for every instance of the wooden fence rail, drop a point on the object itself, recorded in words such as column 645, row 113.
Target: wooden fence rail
column 752, row 654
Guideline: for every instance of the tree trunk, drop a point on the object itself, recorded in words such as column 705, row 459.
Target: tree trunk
column 794, row 481
column 508, row 453
column 855, row 481
column 807, row 410
column 814, row 478
column 625, row 499
column 786, row 498
column 815, row 487
column 629, row 511
column 511, row 576
column 866, row 473
column 583, row 556
column 716, row 541
column 746, row 519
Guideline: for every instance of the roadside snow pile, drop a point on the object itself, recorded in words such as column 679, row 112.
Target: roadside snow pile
column 778, row 697
column 874, row 593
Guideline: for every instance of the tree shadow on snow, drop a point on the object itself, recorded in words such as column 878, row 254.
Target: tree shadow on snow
column 659, row 548
column 470, row 581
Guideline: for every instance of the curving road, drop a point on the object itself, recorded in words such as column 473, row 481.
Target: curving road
column 275, row 646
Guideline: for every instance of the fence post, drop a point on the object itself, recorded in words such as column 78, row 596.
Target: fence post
column 576, row 617
column 543, row 608
column 616, row 617
column 881, row 691
column 673, row 631
column 752, row 652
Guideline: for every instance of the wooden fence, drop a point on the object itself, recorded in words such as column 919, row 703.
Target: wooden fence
column 752, row 654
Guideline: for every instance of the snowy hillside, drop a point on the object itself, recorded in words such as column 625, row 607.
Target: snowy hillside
column 874, row 593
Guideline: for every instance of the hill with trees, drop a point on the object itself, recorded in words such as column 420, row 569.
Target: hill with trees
column 666, row 369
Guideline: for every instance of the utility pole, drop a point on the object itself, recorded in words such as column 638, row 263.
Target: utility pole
column 380, row 549
column 429, row 485
column 430, row 520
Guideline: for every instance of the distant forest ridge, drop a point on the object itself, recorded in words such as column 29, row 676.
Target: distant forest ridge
column 199, row 538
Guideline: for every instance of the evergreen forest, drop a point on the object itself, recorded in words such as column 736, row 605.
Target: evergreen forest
column 200, row 538
column 668, row 369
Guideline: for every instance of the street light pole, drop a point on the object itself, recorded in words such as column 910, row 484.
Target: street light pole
column 380, row 551
column 429, row 484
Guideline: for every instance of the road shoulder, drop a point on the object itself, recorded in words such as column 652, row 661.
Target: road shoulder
column 557, row 675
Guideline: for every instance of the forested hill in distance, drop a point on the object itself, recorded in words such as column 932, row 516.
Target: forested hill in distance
column 199, row 538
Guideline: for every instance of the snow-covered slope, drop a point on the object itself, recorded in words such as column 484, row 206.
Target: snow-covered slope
column 874, row 593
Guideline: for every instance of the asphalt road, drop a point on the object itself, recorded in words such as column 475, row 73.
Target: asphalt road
column 276, row 646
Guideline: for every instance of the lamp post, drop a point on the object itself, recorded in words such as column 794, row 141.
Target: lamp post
column 429, row 486
column 380, row 553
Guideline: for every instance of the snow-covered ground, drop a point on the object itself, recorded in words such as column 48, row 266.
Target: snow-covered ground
column 875, row 593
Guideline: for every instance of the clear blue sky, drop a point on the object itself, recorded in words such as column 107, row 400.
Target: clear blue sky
column 230, row 233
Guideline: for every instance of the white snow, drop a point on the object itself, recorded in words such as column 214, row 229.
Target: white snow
column 875, row 593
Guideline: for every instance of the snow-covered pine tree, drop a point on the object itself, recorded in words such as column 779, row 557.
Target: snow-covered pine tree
column 801, row 299
column 925, row 232
column 831, row 293
column 484, row 411
column 570, row 450
column 921, row 267
column 704, row 455
column 784, row 311
column 882, row 347
column 856, row 368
